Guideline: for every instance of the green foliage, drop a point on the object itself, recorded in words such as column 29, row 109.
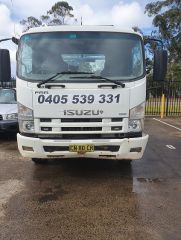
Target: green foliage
column 57, row 15
column 30, row 22
column 167, row 19
column 174, row 72
column 60, row 11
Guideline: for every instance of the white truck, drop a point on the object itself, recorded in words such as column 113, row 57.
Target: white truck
column 81, row 92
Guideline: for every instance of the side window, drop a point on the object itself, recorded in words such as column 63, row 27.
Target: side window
column 137, row 62
column 26, row 60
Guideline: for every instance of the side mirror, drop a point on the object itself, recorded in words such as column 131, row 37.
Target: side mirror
column 15, row 40
column 160, row 65
column 5, row 66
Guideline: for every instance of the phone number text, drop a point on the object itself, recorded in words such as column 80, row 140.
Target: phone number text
column 78, row 99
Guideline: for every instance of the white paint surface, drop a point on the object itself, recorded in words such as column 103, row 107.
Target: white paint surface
column 170, row 125
column 171, row 147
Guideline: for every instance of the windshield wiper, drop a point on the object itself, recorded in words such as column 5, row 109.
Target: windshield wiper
column 103, row 78
column 60, row 73
column 6, row 103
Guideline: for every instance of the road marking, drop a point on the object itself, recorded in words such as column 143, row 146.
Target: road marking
column 171, row 147
column 167, row 124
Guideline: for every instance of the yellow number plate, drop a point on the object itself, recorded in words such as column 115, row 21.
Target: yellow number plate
column 81, row 148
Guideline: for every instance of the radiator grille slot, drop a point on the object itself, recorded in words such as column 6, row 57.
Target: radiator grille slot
column 116, row 128
column 91, row 136
column 82, row 136
column 46, row 129
column 45, row 119
column 81, row 129
column 111, row 148
column 117, row 119
column 72, row 120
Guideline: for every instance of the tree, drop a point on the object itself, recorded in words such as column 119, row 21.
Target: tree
column 30, row 22
column 57, row 15
column 60, row 11
column 167, row 20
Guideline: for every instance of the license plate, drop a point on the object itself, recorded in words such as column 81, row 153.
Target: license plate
column 81, row 148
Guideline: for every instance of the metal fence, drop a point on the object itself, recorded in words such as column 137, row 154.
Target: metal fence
column 172, row 92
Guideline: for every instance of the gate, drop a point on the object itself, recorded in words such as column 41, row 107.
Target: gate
column 172, row 92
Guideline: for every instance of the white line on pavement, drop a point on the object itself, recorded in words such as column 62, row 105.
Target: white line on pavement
column 171, row 147
column 167, row 124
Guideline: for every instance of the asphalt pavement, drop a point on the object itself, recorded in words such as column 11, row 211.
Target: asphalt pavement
column 82, row 199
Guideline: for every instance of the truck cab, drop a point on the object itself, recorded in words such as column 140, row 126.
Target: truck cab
column 81, row 93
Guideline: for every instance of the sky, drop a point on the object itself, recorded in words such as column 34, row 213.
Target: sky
column 123, row 13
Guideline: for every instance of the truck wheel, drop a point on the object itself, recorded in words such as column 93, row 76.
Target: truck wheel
column 39, row 160
column 126, row 162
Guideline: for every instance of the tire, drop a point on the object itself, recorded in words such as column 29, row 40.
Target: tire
column 39, row 160
column 125, row 162
column 128, row 162
column 5, row 66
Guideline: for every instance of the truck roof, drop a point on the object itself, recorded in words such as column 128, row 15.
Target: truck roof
column 64, row 28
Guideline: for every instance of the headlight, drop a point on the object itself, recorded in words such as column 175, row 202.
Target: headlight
column 12, row 116
column 135, row 125
column 136, row 116
column 25, row 118
column 26, row 126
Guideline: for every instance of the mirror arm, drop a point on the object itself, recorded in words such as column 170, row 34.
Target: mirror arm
column 5, row 39
column 148, row 40
column 13, row 39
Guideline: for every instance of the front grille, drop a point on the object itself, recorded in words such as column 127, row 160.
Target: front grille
column 1, row 117
column 72, row 120
column 111, row 148
column 82, row 128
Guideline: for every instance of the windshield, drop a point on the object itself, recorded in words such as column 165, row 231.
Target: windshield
column 7, row 96
column 115, row 55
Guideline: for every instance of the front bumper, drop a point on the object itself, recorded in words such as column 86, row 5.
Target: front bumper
column 35, row 148
column 8, row 125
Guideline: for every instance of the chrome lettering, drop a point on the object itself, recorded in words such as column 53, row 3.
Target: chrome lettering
column 82, row 112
